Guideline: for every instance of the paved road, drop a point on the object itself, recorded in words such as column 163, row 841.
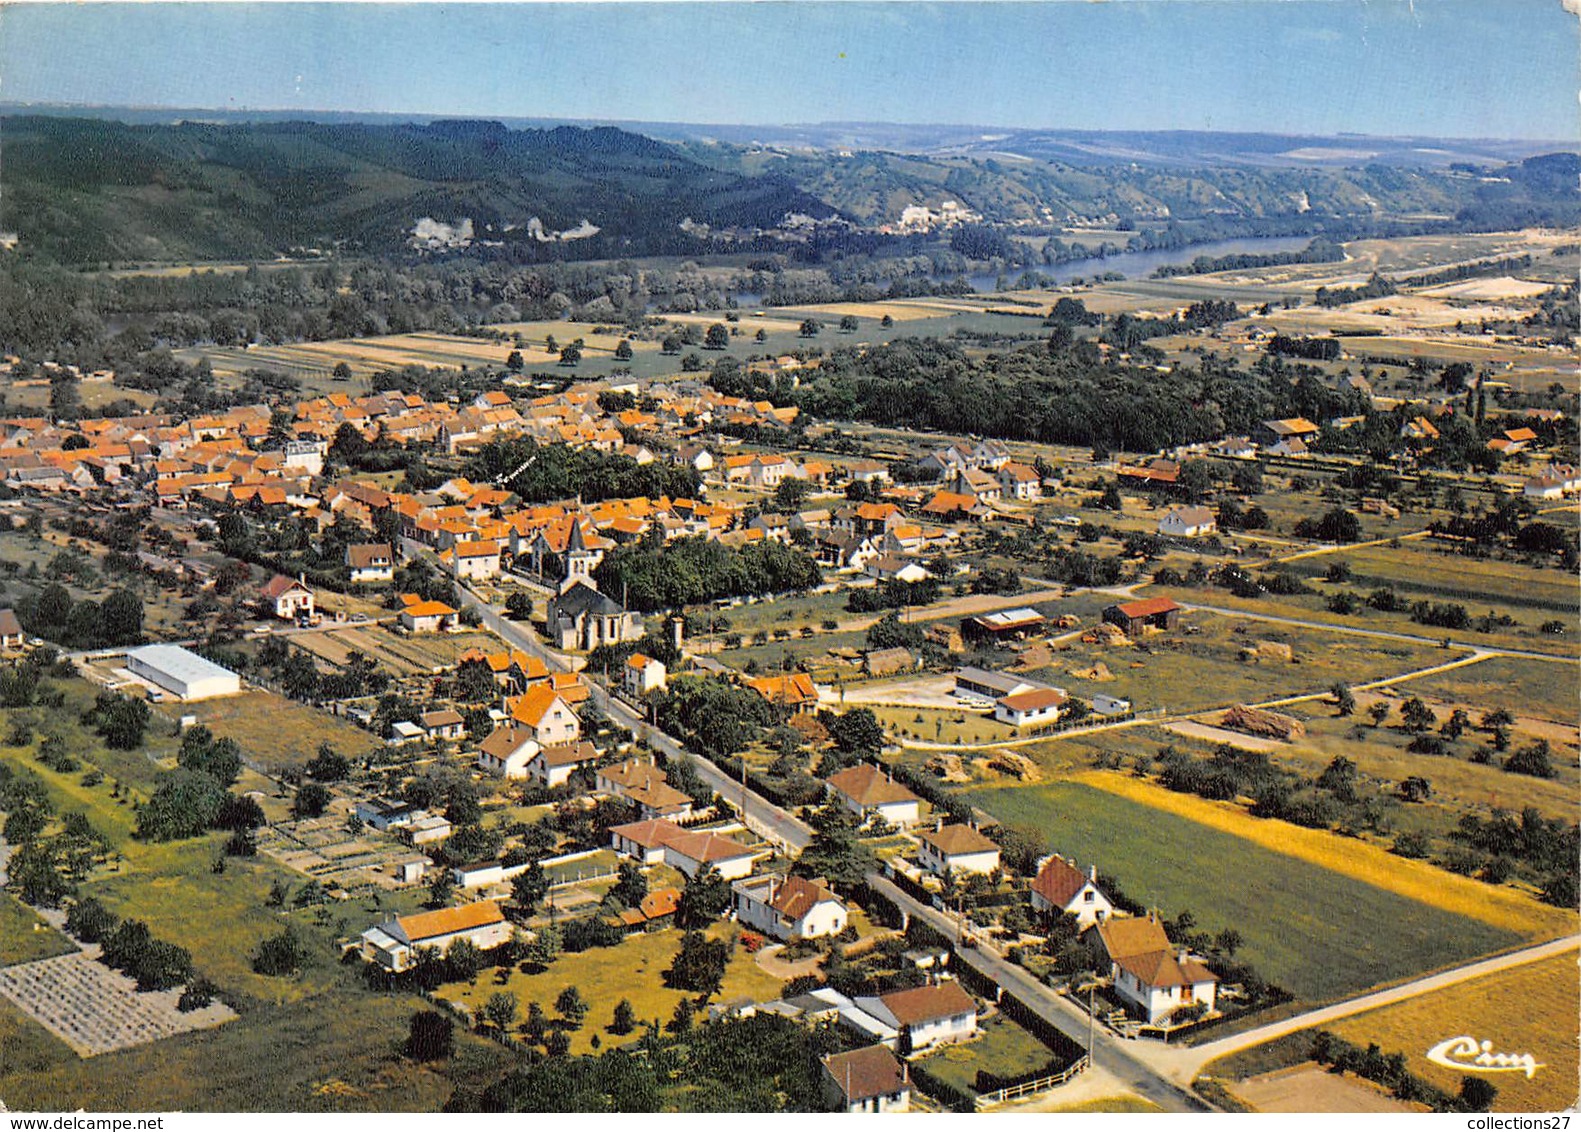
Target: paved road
column 759, row 814
column 1116, row 1055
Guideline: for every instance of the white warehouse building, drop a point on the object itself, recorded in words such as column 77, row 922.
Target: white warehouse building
column 182, row 673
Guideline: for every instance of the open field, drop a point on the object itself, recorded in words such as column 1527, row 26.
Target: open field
column 1301, row 921
column 338, row 1052
column 605, row 975
column 1311, row 1088
column 400, row 654
column 275, row 732
column 1526, row 687
column 1527, row 1009
column 1002, row 1047
column 24, row 937
column 1357, row 859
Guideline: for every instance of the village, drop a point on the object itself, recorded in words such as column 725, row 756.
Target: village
column 828, row 706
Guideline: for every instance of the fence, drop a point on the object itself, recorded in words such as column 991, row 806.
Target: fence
column 1036, row 1085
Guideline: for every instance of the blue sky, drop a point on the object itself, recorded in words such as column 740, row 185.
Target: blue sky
column 1451, row 68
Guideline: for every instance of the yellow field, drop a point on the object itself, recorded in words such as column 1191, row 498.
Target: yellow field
column 605, row 975
column 1359, row 860
column 899, row 310
column 1530, row 1009
column 275, row 731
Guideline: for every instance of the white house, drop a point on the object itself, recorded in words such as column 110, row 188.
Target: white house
column 870, row 1079
column 553, row 764
column 957, row 849
column 1018, row 481
column 642, row 675
column 507, row 751
column 929, row 1015
column 646, row 785
column 1035, row 708
column 868, row 792
column 475, row 561
column 1188, row 522
column 1061, row 887
column 545, row 715
column 370, row 562
column 658, row 841
column 427, row 617
column 286, row 598
column 1152, row 976
column 394, row 945
column 893, row 566
column 788, row 908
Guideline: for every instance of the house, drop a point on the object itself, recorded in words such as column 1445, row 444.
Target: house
column 868, row 792
column 1136, row 617
column 647, row 786
column 1291, row 428
column 546, row 716
column 288, row 599
column 1188, row 522
column 583, row 618
column 925, row 1016
column 1060, row 887
column 795, row 692
column 957, row 849
column 693, row 456
column 1018, row 481
column 1003, row 625
column 1151, row 975
column 11, row 635
column 788, row 908
column 444, row 724
column 979, row 683
column 977, row 484
column 658, row 841
column 892, row 567
column 506, row 751
column 641, row 675
column 1290, row 446
column 1155, row 474
column 554, row 764
column 427, row 617
column 1035, row 708
column 654, row 912
column 870, row 1079
column 1419, row 428
column 425, row 829
column 394, row 945
column 475, row 561
column 370, row 562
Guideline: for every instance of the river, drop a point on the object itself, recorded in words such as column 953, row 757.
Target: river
column 1140, row 265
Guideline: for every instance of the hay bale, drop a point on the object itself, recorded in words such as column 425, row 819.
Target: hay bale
column 1273, row 651
column 948, row 767
column 1260, row 722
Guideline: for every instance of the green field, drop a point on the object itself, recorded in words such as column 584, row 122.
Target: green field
column 1002, row 1047
column 1320, row 935
column 24, row 937
column 1537, row 688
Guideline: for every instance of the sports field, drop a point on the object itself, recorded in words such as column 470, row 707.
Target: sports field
column 1317, row 932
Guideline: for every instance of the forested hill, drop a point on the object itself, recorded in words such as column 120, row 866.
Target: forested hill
column 82, row 190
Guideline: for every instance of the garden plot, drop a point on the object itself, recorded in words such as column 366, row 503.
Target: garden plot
column 322, row 849
column 96, row 1010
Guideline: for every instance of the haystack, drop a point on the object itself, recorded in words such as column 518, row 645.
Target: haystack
column 1268, row 724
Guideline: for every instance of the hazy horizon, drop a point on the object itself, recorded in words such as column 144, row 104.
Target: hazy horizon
column 1396, row 68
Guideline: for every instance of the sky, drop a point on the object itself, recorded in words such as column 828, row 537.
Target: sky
column 1445, row 68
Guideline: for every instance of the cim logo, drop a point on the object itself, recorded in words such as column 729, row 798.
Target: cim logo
column 1466, row 1052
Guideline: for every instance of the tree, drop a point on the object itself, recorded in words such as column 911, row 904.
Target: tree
column 791, row 493
column 699, row 965
column 121, row 619
column 848, row 324
column 1344, row 700
column 1379, row 712
column 514, row 362
column 717, row 338
column 1476, row 1094
column 625, row 1019
column 572, row 1007
column 185, row 804
column 681, row 1020
column 835, row 851
column 557, row 1043
column 1417, row 716
column 705, row 898
column 811, row 328
column 623, row 352
column 545, row 947
column 537, row 1024
column 500, row 1010
column 312, row 798
column 856, row 731
column 440, row 889
column 430, row 1036
column 328, row 765
column 1533, row 760
column 282, row 954
column 571, row 355
column 630, row 885
column 529, row 887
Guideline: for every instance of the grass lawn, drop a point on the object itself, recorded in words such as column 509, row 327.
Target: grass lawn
column 605, row 975
column 604, row 861
column 1001, row 1047
column 24, row 937
column 277, row 732
column 1301, row 922
column 1529, row 1009
column 1537, row 688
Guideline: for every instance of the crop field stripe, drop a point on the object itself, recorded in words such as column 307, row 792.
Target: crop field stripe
column 1358, row 860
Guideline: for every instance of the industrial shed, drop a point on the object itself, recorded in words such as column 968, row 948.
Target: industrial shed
column 182, row 673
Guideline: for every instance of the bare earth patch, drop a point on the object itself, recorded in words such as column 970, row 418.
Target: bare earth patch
column 1309, row 1088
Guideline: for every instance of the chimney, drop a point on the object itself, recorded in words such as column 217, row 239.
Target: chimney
column 1181, row 958
column 938, row 825
column 1092, row 873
